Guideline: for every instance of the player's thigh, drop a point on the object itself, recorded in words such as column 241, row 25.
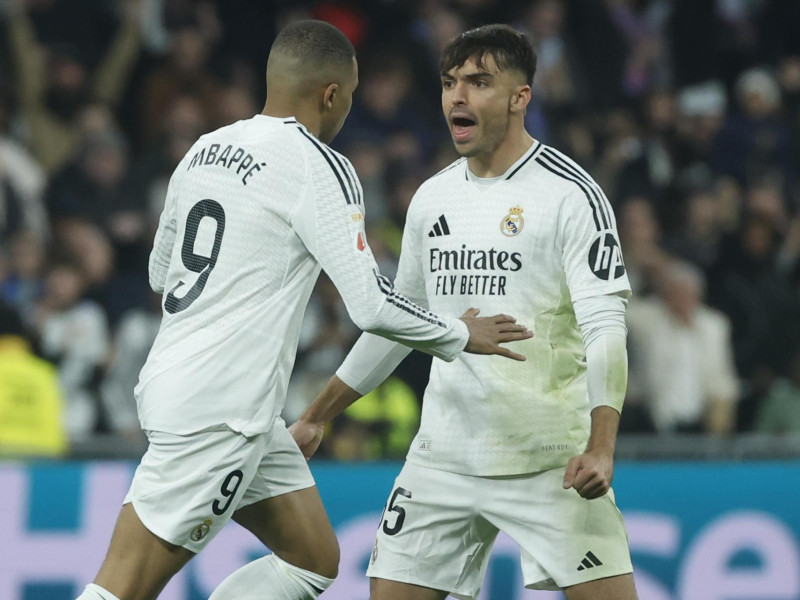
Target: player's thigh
column 620, row 587
column 294, row 526
column 384, row 589
column 187, row 487
column 282, row 508
column 566, row 540
column 138, row 564
column 431, row 535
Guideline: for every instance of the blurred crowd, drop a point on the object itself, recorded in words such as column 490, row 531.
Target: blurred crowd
column 687, row 112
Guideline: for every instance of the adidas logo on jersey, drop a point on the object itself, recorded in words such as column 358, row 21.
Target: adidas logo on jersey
column 589, row 561
column 440, row 228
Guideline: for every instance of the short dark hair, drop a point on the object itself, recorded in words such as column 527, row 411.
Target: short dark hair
column 314, row 42
column 510, row 49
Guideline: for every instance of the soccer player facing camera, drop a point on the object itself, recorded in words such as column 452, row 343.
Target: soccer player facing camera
column 524, row 448
column 252, row 213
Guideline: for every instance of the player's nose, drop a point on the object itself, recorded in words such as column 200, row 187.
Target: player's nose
column 458, row 97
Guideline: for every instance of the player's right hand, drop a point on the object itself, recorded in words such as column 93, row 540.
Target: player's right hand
column 308, row 436
column 487, row 333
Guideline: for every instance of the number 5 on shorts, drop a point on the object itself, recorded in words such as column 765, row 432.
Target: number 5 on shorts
column 401, row 512
column 228, row 490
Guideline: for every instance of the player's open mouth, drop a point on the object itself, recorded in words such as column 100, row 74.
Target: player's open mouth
column 462, row 128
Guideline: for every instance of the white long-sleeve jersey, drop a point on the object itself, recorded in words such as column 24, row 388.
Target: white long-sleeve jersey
column 252, row 213
column 531, row 243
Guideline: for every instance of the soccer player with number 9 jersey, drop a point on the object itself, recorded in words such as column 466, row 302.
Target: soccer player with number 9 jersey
column 253, row 211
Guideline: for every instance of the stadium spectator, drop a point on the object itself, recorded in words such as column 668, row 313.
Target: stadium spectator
column 74, row 337
column 30, row 399
column 22, row 182
column 185, row 71
column 756, row 143
column 681, row 356
column 780, row 412
column 55, row 84
column 746, row 284
column 23, row 284
column 132, row 342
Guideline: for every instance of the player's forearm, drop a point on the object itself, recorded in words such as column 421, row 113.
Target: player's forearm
column 371, row 360
column 331, row 402
column 607, row 369
column 605, row 424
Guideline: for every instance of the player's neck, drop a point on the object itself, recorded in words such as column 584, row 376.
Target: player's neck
column 506, row 153
column 308, row 118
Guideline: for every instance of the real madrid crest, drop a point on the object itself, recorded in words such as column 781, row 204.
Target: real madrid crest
column 199, row 532
column 513, row 222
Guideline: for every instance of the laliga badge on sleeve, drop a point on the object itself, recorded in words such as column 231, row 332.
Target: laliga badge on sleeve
column 513, row 222
column 361, row 241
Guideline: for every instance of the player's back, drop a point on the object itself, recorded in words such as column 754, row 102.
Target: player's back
column 236, row 281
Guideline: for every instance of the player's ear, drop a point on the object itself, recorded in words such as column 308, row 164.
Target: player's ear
column 329, row 95
column 520, row 99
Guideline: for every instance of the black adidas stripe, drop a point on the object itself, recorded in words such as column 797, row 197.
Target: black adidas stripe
column 590, row 555
column 404, row 303
column 318, row 146
column 579, row 184
column 602, row 201
column 443, row 222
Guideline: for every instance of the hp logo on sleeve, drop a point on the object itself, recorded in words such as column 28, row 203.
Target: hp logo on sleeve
column 605, row 258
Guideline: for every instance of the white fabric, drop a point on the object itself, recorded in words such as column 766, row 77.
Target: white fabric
column 438, row 529
column 270, row 205
column 490, row 415
column 187, row 487
column 370, row 362
column 607, row 371
column 95, row 592
column 602, row 323
column 270, row 578
column 679, row 368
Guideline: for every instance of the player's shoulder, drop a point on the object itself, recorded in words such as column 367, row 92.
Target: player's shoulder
column 563, row 171
column 572, row 184
column 450, row 172
column 329, row 166
column 445, row 178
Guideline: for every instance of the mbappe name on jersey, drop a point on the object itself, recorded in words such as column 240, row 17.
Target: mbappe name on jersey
column 228, row 158
column 467, row 259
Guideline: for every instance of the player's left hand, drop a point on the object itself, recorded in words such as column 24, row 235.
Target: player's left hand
column 590, row 474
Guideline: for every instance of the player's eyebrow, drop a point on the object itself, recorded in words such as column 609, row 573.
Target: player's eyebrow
column 478, row 75
column 469, row 76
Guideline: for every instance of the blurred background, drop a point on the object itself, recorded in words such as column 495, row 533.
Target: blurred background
column 686, row 112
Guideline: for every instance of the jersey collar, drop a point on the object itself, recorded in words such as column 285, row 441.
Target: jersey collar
column 510, row 172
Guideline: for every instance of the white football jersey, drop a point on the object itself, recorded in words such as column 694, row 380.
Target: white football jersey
column 528, row 244
column 252, row 213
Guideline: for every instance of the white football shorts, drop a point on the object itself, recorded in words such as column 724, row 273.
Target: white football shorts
column 187, row 486
column 438, row 528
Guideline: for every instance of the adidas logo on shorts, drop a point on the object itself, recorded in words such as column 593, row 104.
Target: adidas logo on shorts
column 440, row 228
column 589, row 561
